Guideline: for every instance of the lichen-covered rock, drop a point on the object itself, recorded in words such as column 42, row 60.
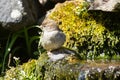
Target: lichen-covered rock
column 17, row 14
column 88, row 33
column 104, row 73
column 70, row 68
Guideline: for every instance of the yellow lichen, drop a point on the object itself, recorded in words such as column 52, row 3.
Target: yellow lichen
column 81, row 28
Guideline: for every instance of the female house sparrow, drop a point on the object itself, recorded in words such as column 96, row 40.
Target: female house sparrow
column 52, row 37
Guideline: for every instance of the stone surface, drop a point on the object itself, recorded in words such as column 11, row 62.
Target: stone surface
column 68, row 68
column 105, row 5
column 17, row 14
column 72, row 68
column 59, row 54
column 97, row 73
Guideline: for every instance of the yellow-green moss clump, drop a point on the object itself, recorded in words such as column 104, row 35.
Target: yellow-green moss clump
column 86, row 32
column 24, row 72
column 44, row 69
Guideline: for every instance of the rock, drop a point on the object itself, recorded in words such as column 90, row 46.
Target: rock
column 64, row 69
column 106, row 73
column 17, row 14
column 87, row 32
column 106, row 5
column 60, row 53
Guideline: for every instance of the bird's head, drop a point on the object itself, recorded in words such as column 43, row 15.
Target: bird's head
column 49, row 25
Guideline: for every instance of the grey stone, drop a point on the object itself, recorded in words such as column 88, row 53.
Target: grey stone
column 105, row 5
column 60, row 53
column 16, row 14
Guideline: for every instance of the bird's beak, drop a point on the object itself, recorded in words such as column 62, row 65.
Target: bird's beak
column 41, row 27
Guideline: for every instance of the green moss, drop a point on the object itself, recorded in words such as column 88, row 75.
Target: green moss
column 87, row 33
column 44, row 69
column 24, row 72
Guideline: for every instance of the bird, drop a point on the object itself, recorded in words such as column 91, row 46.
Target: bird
column 52, row 37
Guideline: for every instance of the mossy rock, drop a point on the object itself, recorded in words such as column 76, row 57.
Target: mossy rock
column 64, row 69
column 90, row 33
column 24, row 72
column 44, row 69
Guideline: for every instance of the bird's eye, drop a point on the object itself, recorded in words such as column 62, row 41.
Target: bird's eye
column 60, row 23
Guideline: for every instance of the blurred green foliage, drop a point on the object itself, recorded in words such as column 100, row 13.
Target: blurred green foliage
column 11, row 45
